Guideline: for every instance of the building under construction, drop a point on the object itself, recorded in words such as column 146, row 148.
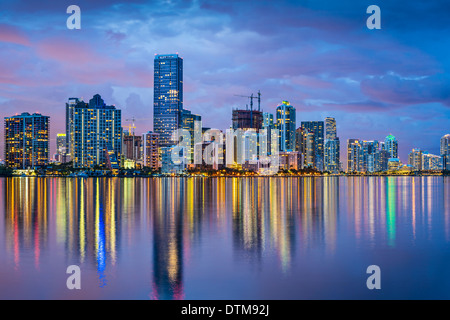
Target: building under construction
column 248, row 118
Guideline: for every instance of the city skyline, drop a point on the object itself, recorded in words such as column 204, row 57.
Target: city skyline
column 322, row 59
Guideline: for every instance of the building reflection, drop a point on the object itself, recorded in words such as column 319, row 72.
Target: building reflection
column 167, row 215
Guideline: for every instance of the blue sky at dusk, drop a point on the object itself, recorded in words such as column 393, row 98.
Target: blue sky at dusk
column 319, row 55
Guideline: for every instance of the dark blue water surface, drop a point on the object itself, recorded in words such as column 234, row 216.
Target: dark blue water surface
column 225, row 238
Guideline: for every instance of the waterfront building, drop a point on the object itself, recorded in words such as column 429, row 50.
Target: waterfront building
column 332, row 147
column 316, row 128
column 173, row 160
column 247, row 119
column 432, row 162
column 286, row 126
column 167, row 96
column 192, row 123
column 445, row 151
column 332, row 155
column 391, row 145
column 132, row 146
column 354, row 155
column 150, row 147
column 415, row 159
column 96, row 133
column 26, row 140
column 290, row 160
column 394, row 164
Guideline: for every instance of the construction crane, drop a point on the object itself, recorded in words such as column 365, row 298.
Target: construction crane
column 133, row 120
column 251, row 97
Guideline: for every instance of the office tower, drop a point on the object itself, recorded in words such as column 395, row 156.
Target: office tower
column 26, row 140
column 445, row 151
column 132, row 146
column 317, row 129
column 354, row 155
column 330, row 128
column 170, row 165
column 151, row 150
column 192, row 123
column 332, row 155
column 309, row 149
column 415, row 159
column 167, row 96
column 391, row 145
column 286, row 126
column 97, row 133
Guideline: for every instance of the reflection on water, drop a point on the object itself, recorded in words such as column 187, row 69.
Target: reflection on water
column 174, row 238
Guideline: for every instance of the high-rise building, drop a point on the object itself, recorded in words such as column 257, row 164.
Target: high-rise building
column 370, row 156
column 247, row 119
column 330, row 128
column 317, row 129
column 415, row 159
column 309, row 149
column 286, row 126
column 167, row 96
column 70, row 107
column 445, row 151
column 96, row 131
column 431, row 162
column 151, row 150
column 61, row 143
column 354, row 155
column 26, row 140
column 391, row 146
column 332, row 155
column 268, row 121
column 192, row 123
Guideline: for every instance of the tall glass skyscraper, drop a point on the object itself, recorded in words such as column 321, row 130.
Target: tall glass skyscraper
column 286, row 126
column 445, row 151
column 332, row 146
column 167, row 96
column 316, row 128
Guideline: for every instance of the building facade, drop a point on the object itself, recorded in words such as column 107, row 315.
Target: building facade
column 26, row 140
column 167, row 96
column 96, row 132
column 316, row 128
column 151, row 150
column 286, row 126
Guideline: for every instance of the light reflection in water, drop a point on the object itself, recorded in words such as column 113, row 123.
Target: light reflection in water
column 96, row 221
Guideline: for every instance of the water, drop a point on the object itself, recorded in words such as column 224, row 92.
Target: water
column 225, row 238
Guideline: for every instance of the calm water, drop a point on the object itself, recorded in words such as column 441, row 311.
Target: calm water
column 225, row 238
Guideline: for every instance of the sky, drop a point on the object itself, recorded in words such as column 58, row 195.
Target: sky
column 318, row 55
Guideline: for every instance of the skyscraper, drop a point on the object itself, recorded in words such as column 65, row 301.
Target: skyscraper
column 97, row 133
column 354, row 155
column 26, row 140
column 391, row 146
column 316, row 128
column 330, row 128
column 286, row 126
column 445, row 151
column 415, row 159
column 70, row 106
column 332, row 147
column 167, row 96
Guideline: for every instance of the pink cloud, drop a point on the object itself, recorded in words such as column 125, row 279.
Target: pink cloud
column 11, row 34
